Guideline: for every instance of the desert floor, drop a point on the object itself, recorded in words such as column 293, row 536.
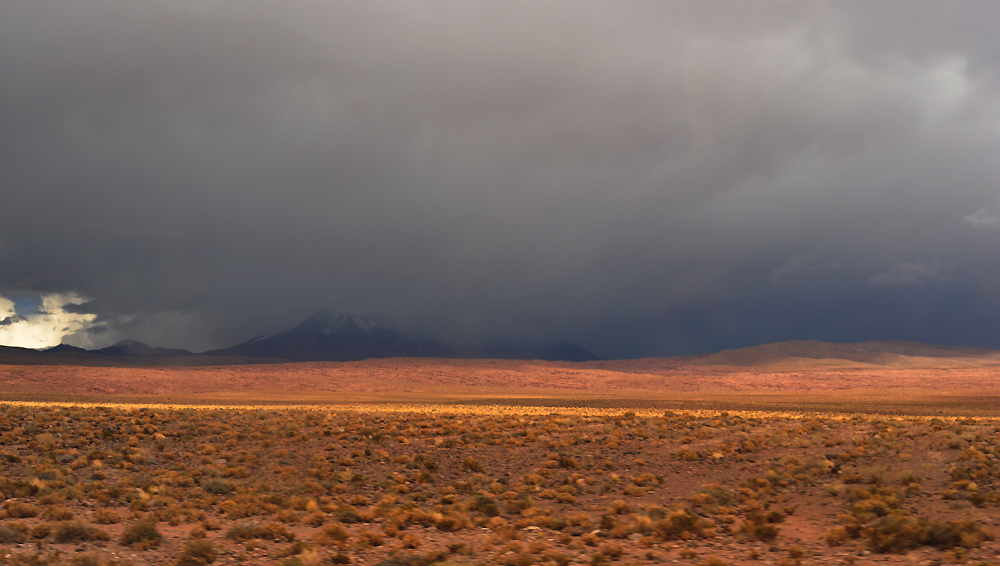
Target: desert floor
column 419, row 462
column 925, row 386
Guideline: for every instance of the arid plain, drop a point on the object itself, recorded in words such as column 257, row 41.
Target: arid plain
column 875, row 377
column 757, row 456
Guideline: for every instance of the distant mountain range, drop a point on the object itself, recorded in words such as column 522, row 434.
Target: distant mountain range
column 324, row 336
column 340, row 336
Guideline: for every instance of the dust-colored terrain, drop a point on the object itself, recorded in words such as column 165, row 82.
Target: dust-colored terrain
column 801, row 453
column 964, row 382
column 416, row 486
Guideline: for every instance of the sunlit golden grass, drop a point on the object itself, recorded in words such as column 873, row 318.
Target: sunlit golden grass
column 939, row 402
column 460, row 409
column 633, row 384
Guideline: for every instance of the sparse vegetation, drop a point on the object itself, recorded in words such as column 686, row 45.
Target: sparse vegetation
column 197, row 552
column 451, row 487
column 75, row 532
column 142, row 535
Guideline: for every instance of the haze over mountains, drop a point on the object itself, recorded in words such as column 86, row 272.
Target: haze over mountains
column 340, row 336
column 800, row 366
column 325, row 336
column 335, row 336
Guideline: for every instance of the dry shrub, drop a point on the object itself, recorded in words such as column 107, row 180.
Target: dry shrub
column 836, row 536
column 687, row 455
column 359, row 499
column 703, row 500
column 197, row 553
column 9, row 534
column 486, row 505
column 897, row 533
column 578, row 519
column 451, row 522
column 347, row 514
column 19, row 510
column 57, row 513
column 218, row 487
column 876, row 516
column 270, row 531
column 472, row 465
column 758, row 525
column 142, row 535
column 683, row 525
column 331, row 534
column 410, row 540
column 288, row 516
column 633, row 491
column 105, row 517
column 41, row 530
column 314, row 519
column 197, row 532
column 44, row 442
column 611, row 550
column 74, row 531
column 564, row 497
column 370, row 538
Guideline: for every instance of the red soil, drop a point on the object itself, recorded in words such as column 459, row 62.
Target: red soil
column 410, row 375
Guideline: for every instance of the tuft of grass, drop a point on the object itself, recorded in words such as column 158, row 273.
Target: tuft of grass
column 105, row 517
column 472, row 465
column 197, row 552
column 218, row 487
column 57, row 513
column 9, row 535
column 270, row 531
column 142, row 535
column 19, row 510
column 73, row 531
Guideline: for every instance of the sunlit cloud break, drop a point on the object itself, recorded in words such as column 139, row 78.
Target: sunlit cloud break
column 47, row 326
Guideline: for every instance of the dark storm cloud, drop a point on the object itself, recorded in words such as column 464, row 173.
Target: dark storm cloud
column 643, row 178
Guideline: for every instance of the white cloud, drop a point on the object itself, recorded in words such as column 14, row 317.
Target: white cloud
column 908, row 275
column 984, row 219
column 7, row 314
column 44, row 328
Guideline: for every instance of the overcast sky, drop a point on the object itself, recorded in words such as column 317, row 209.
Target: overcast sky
column 647, row 178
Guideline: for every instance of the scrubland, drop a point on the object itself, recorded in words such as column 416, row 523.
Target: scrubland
column 414, row 486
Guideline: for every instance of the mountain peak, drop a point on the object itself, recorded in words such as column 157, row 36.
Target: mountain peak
column 335, row 335
column 66, row 348
column 329, row 321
